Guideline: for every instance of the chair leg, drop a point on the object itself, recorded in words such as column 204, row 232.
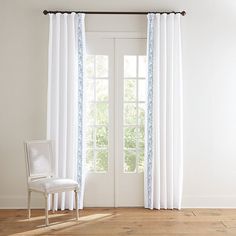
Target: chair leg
column 29, row 201
column 46, row 210
column 76, row 205
column 53, row 209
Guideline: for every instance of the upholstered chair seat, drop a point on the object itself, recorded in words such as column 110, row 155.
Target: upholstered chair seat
column 52, row 185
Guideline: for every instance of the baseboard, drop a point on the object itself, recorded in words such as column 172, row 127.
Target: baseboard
column 223, row 201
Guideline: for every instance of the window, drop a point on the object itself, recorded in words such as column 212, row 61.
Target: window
column 97, row 112
column 133, row 98
column 133, row 114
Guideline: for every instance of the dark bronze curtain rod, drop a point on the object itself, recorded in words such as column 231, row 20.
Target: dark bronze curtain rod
column 45, row 12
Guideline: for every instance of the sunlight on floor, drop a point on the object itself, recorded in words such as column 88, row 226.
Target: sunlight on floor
column 83, row 218
column 59, row 225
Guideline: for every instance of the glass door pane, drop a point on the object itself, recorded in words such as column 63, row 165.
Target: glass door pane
column 134, row 84
column 98, row 116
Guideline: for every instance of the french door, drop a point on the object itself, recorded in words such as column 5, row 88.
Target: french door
column 115, row 71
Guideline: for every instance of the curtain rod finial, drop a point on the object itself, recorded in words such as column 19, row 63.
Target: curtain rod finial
column 45, row 12
column 183, row 13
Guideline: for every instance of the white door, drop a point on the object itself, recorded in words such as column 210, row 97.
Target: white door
column 99, row 184
column 130, row 110
column 115, row 122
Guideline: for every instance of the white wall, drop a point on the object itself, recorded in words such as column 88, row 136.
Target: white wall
column 209, row 58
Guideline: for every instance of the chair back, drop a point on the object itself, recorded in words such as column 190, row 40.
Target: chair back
column 38, row 159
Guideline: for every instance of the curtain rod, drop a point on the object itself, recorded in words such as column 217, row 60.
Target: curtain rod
column 183, row 13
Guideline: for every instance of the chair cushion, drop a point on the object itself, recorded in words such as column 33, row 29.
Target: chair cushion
column 51, row 185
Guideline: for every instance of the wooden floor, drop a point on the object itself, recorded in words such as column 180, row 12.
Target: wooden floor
column 122, row 221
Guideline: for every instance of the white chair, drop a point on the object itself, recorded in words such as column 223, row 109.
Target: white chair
column 40, row 175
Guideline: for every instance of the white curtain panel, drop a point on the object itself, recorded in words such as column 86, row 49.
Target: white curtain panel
column 164, row 139
column 65, row 112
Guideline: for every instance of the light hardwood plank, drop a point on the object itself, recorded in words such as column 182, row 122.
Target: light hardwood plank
column 121, row 221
